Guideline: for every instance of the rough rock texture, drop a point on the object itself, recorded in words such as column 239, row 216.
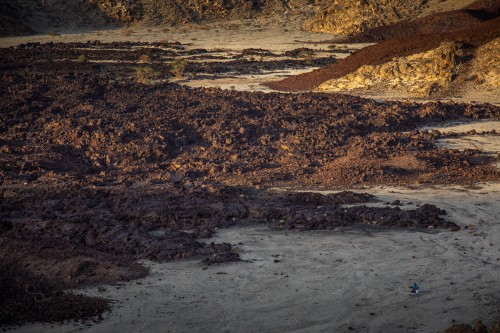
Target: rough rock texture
column 96, row 120
column 486, row 65
column 21, row 17
column 428, row 73
column 97, row 170
column 50, row 16
column 420, row 75
column 125, row 11
column 175, row 12
column 24, row 296
column 339, row 17
column 435, row 23
column 347, row 17
column 473, row 36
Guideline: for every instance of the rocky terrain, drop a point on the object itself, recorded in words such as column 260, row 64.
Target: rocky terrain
column 85, row 168
column 367, row 19
column 484, row 65
column 111, row 164
column 238, row 140
column 443, row 71
column 342, row 17
column 429, row 56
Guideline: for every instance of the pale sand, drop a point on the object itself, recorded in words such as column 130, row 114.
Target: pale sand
column 246, row 36
column 327, row 281
column 243, row 82
column 489, row 144
column 465, row 126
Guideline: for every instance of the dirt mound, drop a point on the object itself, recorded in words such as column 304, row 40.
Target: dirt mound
column 419, row 75
column 426, row 216
column 348, row 17
column 438, row 23
column 444, row 71
column 386, row 51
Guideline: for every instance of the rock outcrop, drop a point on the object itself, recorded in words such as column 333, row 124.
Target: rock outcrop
column 421, row 74
column 430, row 73
column 348, row 17
column 485, row 65
column 126, row 11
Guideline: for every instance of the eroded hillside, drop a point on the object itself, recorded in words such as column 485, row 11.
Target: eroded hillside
column 347, row 17
column 45, row 16
column 451, row 66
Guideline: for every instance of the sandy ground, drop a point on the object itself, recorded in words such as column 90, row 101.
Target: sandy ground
column 244, row 82
column 246, row 35
column 463, row 127
column 490, row 144
column 327, row 281
column 466, row 97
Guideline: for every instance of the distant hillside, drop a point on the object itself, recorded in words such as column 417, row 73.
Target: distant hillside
column 176, row 11
column 342, row 17
column 349, row 17
column 23, row 17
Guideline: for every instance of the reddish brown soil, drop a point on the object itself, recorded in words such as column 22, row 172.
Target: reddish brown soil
column 98, row 171
column 438, row 23
column 402, row 40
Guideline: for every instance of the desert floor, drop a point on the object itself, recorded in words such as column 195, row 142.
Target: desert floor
column 313, row 281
